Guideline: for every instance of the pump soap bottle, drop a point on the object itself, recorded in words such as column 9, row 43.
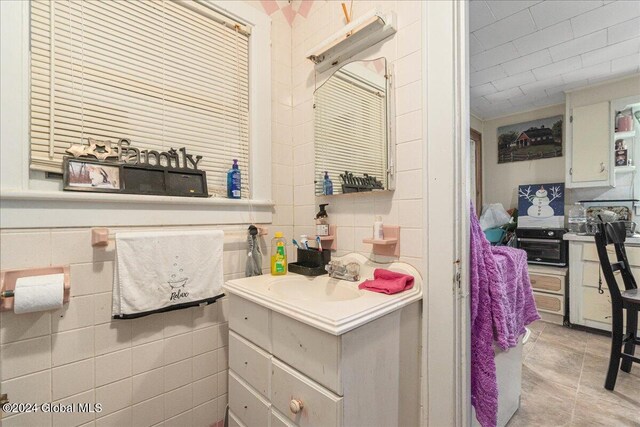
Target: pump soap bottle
column 327, row 185
column 233, row 181
column 322, row 221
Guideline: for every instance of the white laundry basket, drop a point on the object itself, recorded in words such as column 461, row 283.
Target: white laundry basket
column 509, row 375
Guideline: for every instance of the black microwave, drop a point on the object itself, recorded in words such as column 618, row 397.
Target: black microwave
column 544, row 246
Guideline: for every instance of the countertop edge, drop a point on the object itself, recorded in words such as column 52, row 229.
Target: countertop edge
column 572, row 237
column 325, row 324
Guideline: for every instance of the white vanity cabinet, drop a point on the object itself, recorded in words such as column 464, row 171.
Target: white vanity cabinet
column 284, row 372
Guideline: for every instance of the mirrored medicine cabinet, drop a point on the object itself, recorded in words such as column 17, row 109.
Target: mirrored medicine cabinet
column 352, row 129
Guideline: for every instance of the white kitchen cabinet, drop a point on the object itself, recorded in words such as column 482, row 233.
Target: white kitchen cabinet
column 591, row 141
column 590, row 155
column 588, row 307
column 283, row 372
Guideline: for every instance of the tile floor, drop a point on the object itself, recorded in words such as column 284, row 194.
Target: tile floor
column 563, row 382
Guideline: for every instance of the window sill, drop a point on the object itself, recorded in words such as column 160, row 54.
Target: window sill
column 125, row 198
column 36, row 209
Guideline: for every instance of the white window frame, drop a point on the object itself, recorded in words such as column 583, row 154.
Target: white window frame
column 29, row 200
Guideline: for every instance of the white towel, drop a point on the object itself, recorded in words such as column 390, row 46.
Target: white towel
column 168, row 270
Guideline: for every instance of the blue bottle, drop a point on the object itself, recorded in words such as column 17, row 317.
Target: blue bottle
column 233, row 181
column 327, row 185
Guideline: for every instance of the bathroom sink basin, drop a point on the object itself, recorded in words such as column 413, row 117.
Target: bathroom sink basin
column 321, row 288
column 331, row 305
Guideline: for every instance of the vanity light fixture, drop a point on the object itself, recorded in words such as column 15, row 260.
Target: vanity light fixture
column 353, row 38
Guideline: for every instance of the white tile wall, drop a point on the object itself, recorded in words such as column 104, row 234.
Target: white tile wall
column 354, row 214
column 166, row 369
column 137, row 369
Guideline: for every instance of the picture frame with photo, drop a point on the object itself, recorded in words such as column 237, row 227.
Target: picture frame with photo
column 89, row 175
column 532, row 140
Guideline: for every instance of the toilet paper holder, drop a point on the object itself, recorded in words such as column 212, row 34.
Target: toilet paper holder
column 8, row 282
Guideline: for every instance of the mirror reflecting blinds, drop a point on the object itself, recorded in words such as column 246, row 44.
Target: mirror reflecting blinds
column 161, row 73
column 349, row 129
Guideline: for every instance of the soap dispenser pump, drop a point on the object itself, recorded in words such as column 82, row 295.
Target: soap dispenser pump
column 322, row 221
column 327, row 185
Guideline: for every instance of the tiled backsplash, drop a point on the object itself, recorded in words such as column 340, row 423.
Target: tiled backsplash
column 354, row 214
column 169, row 367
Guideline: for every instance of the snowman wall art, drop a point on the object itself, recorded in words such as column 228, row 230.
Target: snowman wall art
column 541, row 205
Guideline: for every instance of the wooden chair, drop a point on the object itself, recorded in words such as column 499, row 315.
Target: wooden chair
column 614, row 233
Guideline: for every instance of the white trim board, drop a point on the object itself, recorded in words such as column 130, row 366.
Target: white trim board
column 446, row 379
column 40, row 209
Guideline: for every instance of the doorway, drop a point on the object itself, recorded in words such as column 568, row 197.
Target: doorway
column 475, row 177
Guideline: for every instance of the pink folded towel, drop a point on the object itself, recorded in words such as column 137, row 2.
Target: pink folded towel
column 387, row 282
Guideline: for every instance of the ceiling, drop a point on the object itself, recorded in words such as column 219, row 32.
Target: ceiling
column 525, row 54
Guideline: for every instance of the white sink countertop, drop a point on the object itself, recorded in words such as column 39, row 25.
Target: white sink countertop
column 634, row 240
column 332, row 305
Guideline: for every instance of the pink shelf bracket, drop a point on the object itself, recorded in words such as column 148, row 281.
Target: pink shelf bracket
column 390, row 245
column 331, row 241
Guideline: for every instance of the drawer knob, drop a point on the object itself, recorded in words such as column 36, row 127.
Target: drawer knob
column 296, row 405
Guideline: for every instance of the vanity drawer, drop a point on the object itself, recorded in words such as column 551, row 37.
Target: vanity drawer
column 246, row 404
column 279, row 420
column 320, row 407
column 547, row 283
column 234, row 421
column 250, row 321
column 549, row 303
column 250, row 363
column 309, row 350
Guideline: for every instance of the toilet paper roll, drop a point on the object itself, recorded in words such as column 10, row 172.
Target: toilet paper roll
column 38, row 293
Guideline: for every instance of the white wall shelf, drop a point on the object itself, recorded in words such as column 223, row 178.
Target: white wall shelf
column 390, row 245
column 625, row 135
column 624, row 169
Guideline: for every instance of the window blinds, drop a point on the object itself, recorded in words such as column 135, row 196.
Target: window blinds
column 350, row 117
column 162, row 73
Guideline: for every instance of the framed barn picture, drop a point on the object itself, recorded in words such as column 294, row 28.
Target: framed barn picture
column 533, row 140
